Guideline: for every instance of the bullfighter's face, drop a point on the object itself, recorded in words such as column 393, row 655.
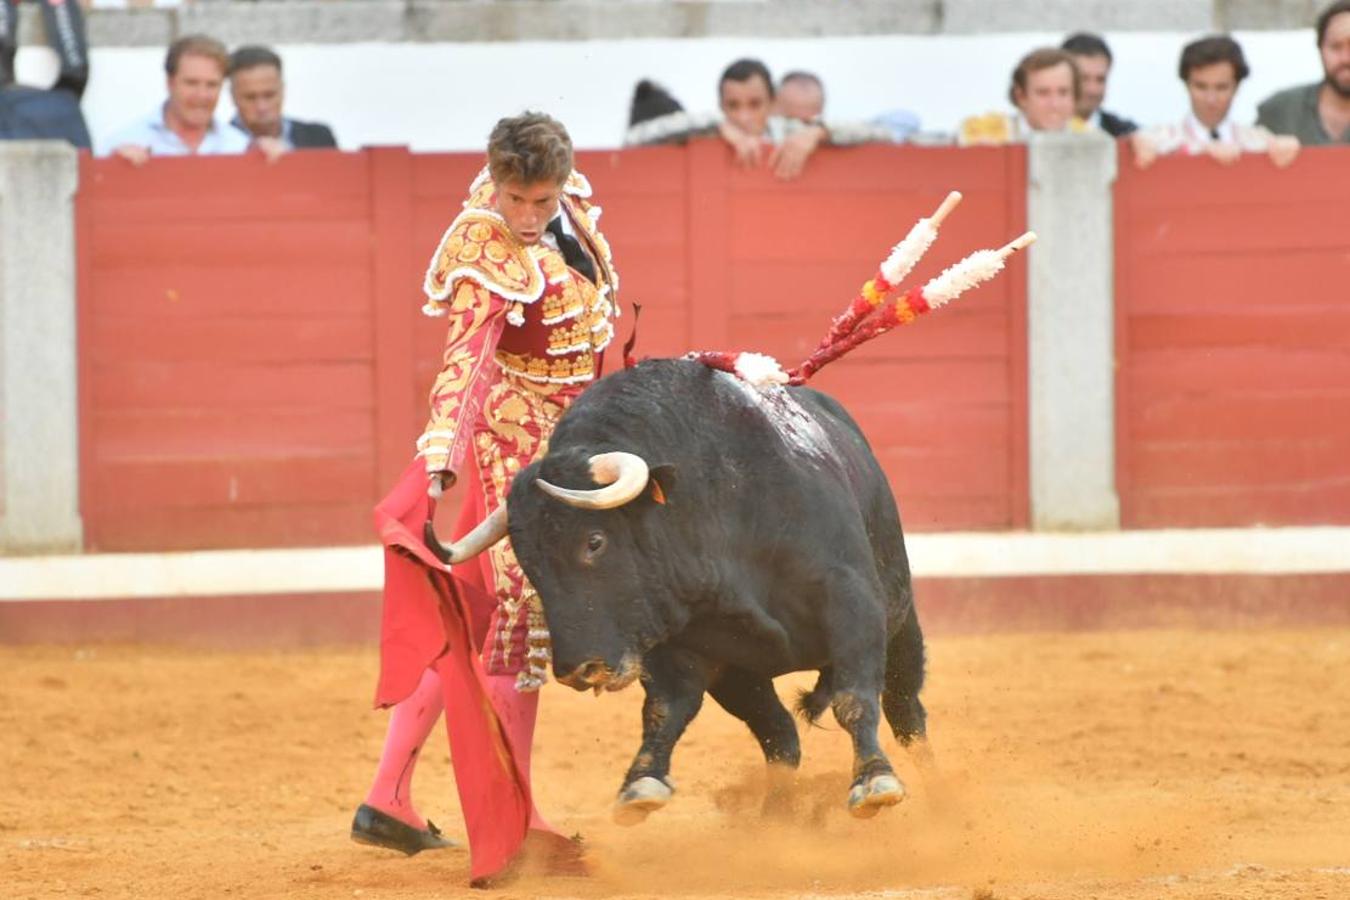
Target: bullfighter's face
column 528, row 208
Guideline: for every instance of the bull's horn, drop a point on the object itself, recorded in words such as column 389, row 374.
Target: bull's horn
column 624, row 475
column 484, row 535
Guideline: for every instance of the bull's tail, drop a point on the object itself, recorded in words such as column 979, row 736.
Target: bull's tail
column 811, row 705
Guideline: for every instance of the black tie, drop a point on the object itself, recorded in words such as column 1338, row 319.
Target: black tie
column 571, row 250
column 1214, row 133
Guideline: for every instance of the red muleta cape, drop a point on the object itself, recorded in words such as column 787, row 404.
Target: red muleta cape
column 426, row 621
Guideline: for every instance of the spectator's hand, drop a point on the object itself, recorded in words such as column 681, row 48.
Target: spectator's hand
column 1145, row 154
column 789, row 158
column 440, row 483
column 272, row 148
column 133, row 153
column 746, row 147
column 1224, row 152
column 1283, row 149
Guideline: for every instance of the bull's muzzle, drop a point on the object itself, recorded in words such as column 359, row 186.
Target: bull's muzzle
column 596, row 674
column 593, row 673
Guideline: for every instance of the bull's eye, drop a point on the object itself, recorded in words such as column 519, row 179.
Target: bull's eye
column 595, row 545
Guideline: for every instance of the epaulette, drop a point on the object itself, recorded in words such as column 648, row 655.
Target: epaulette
column 479, row 245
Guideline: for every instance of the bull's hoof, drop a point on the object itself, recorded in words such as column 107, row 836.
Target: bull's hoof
column 639, row 799
column 865, row 800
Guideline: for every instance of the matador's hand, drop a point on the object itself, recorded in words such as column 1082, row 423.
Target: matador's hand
column 440, row 483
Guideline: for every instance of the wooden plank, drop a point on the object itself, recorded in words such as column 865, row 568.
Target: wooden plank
column 925, row 422
column 790, row 339
column 230, row 338
column 709, row 246
column 219, row 247
column 1316, row 179
column 1234, row 229
column 201, row 433
column 1316, row 503
column 260, row 291
column 1308, row 416
column 1254, row 282
column 784, row 224
column 1285, row 328
column 194, row 385
column 1236, row 465
column 318, row 185
column 1234, row 370
column 307, row 525
column 237, row 482
column 947, row 471
column 393, row 264
column 919, row 512
column 926, row 173
column 982, row 382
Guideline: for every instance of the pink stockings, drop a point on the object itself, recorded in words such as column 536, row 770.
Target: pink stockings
column 409, row 724
column 412, row 720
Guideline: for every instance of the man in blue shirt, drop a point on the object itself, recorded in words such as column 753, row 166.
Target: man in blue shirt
column 185, row 125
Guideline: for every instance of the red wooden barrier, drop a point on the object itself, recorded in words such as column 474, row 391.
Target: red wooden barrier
column 254, row 366
column 1233, row 342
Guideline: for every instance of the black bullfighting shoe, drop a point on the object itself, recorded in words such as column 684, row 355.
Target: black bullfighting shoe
column 370, row 826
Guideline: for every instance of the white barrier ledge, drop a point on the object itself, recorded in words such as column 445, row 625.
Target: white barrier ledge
column 1245, row 551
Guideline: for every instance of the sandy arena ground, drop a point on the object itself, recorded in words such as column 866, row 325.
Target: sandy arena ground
column 1123, row 765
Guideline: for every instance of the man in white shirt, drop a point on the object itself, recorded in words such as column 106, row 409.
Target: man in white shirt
column 185, row 125
column 1212, row 68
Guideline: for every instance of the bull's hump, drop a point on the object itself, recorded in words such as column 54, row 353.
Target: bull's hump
column 798, row 429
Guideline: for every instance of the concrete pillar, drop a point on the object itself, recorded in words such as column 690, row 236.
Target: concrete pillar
column 1070, row 308
column 39, row 423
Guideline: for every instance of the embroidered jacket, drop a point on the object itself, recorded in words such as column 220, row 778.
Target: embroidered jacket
column 515, row 311
column 998, row 128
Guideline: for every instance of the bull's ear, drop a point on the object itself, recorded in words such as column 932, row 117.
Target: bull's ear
column 661, row 482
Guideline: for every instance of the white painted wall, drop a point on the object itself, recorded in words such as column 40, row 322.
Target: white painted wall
column 447, row 96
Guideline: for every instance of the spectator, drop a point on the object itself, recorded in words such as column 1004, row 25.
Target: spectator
column 29, row 113
column 185, row 124
column 1093, row 59
column 1045, row 88
column 748, row 124
column 801, row 96
column 1212, row 68
column 651, row 101
column 1318, row 113
column 259, row 92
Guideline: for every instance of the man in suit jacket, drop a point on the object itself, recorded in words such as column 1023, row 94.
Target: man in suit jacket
column 258, row 92
column 1093, row 59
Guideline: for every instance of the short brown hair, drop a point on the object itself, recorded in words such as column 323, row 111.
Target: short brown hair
column 529, row 148
column 1044, row 58
column 1324, row 18
column 196, row 45
column 1217, row 48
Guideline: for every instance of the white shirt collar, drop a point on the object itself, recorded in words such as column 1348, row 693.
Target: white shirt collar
column 1200, row 134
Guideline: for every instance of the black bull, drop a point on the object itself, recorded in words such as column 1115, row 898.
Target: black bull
column 761, row 538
